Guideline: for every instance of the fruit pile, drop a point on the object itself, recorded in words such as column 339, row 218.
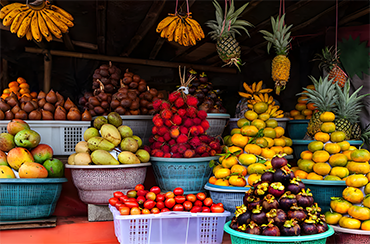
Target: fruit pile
column 20, row 88
column 255, row 94
column 279, row 205
column 141, row 201
column 355, row 202
column 179, row 129
column 330, row 156
column 202, row 89
column 109, row 142
column 22, row 155
column 127, row 96
column 303, row 110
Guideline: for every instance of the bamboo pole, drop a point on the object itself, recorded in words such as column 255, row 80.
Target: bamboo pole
column 156, row 63
column 47, row 71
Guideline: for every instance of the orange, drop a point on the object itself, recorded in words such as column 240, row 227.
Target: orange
column 256, row 168
column 270, row 141
column 14, row 89
column 243, row 121
column 267, row 153
column 222, row 182
column 306, row 165
column 327, row 127
column 320, row 156
column 302, row 100
column 13, row 84
column 235, row 149
column 288, row 150
column 332, row 148
column 358, row 168
column 294, row 113
column 235, row 131
column 341, row 172
column 306, row 112
column 360, row 155
column 212, row 180
column 259, row 123
column 353, row 195
column 240, row 169
column 239, row 140
column 311, row 106
column 288, row 141
column 306, row 155
column 253, row 148
column 21, row 80
column 352, row 148
column 337, row 136
column 277, row 149
column 24, row 85
column 24, row 91
column 250, row 115
column 269, row 132
column 300, row 106
column 327, row 116
column 264, row 116
column 6, row 91
column 249, row 130
column 229, row 162
column 348, row 154
column 315, row 146
column 34, row 94
column 261, row 142
column 222, row 173
column 311, row 87
column 314, row 176
column 322, row 168
column 301, row 174
column 217, row 167
column 338, row 159
column 260, row 107
column 344, row 145
column 272, row 123
column 322, row 136
column 279, row 131
column 247, row 159
column 253, row 178
column 279, row 142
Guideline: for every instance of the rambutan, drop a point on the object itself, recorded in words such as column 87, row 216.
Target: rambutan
column 151, row 140
column 173, row 96
column 172, row 142
column 177, row 155
column 200, row 129
column 197, row 121
column 167, row 136
column 212, row 152
column 181, row 148
column 167, row 155
column 191, row 112
column 167, row 122
column 205, row 138
column 165, row 105
column 201, row 149
column 162, row 130
column 194, row 130
column 182, row 138
column 195, row 142
column 192, row 101
column 158, row 153
column 158, row 122
column 147, row 148
column 179, row 102
column 202, row 114
column 188, row 123
column 184, row 130
column 165, row 148
column 176, row 119
column 205, row 125
column 205, row 154
column 175, row 132
column 157, row 104
column 155, row 130
column 189, row 153
column 161, row 139
column 215, row 145
column 174, row 148
column 166, row 114
column 181, row 112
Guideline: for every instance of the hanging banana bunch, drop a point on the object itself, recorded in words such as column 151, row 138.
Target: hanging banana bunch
column 36, row 20
column 181, row 28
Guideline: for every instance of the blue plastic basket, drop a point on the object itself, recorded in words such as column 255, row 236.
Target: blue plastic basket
column 191, row 174
column 244, row 238
column 324, row 190
column 297, row 128
column 29, row 198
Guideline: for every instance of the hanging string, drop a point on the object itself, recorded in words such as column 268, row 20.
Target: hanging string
column 177, row 2
column 336, row 28
column 223, row 26
column 187, row 4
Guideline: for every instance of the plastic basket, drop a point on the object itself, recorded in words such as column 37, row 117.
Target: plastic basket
column 169, row 227
column 191, row 174
column 323, row 190
column 282, row 122
column 230, row 197
column 244, row 238
column 62, row 136
column 217, row 123
column 97, row 183
column 297, row 129
column 29, row 198
column 351, row 236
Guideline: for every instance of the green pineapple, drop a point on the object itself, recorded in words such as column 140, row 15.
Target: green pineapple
column 347, row 110
column 356, row 131
column 324, row 97
column 223, row 31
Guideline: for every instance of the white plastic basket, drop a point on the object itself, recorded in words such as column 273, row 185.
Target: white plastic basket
column 169, row 227
column 217, row 123
column 62, row 136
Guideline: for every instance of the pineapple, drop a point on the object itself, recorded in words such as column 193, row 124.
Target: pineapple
column 356, row 131
column 347, row 110
column 223, row 32
column 280, row 39
column 329, row 62
column 324, row 97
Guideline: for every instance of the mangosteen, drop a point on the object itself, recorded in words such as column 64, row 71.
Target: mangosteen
column 261, row 189
column 253, row 201
column 291, row 228
column 287, row 200
column 314, row 210
column 269, row 202
column 242, row 215
column 309, row 227
column 278, row 161
column 295, row 185
column 195, row 83
column 234, row 224
column 268, row 176
column 277, row 215
column 321, row 224
column 277, row 189
column 304, row 198
column 283, row 175
column 258, row 216
column 246, row 195
column 253, row 228
column 203, row 78
column 297, row 213
column 270, row 229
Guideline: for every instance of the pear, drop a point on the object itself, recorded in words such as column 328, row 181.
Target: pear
column 143, row 155
column 129, row 144
column 91, row 132
column 82, row 147
column 115, row 119
column 71, row 159
column 110, row 133
column 125, row 131
column 102, row 157
column 97, row 143
column 138, row 139
column 82, row 158
column 99, row 122
column 127, row 157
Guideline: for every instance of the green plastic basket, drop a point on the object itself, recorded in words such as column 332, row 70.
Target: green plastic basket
column 324, row 190
column 297, row 128
column 244, row 238
column 29, row 198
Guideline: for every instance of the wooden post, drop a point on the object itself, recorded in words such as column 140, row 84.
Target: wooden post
column 101, row 21
column 47, row 71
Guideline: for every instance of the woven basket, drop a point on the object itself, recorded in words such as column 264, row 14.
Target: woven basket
column 217, row 123
column 350, row 236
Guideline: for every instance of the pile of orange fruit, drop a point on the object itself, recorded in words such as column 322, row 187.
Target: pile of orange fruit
column 303, row 110
column 18, row 87
column 250, row 147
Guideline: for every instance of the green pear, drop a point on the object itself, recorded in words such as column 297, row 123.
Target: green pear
column 129, row 144
column 90, row 133
column 127, row 157
column 102, row 157
column 125, row 131
column 97, row 143
column 111, row 133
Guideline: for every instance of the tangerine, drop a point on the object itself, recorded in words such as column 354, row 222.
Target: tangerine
column 338, row 159
column 259, row 123
column 235, row 131
column 306, row 155
column 321, row 168
column 341, row 172
column 279, row 131
column 267, row 153
column 322, row 136
column 311, row 106
column 277, row 149
column 279, row 142
column 249, row 130
column 294, row 113
column 269, row 132
column 332, row 148
column 306, row 165
column 256, row 168
column 288, row 141
column 288, row 150
column 314, row 176
column 315, row 146
column 347, row 153
column 253, row 178
column 229, row 162
column 253, row 148
column 344, row 145
column 272, row 123
column 212, row 180
column 260, row 107
column 320, row 156
column 243, row 121
column 301, row 174
column 247, row 159
column 222, row 182
column 302, row 100
column 327, row 116
column 306, row 112
column 327, row 127
column 358, row 168
column 298, row 117
column 264, row 116
column 237, row 168
column 234, row 149
column 261, row 142
column 300, row 106
column 337, row 136
column 250, row 115
column 360, row 155
column 239, row 140
column 270, row 141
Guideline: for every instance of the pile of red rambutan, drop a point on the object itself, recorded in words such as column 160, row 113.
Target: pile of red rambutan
column 179, row 129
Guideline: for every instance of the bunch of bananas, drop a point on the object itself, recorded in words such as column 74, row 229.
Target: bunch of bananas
column 181, row 29
column 36, row 22
column 255, row 94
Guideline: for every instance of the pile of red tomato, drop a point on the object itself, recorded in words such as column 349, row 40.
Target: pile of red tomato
column 141, row 201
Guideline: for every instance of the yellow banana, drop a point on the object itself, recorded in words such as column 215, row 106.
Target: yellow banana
column 9, row 18
column 63, row 27
column 43, row 28
column 246, row 95
column 163, row 33
column 261, row 97
column 165, row 22
column 266, row 97
column 197, row 34
column 192, row 40
column 259, row 86
column 274, row 109
column 185, row 35
column 51, row 26
column 280, row 116
column 253, row 102
column 277, row 113
column 273, row 103
column 8, row 8
column 269, row 109
column 247, row 88
column 62, row 12
column 25, row 26
column 178, row 32
column 254, row 87
column 266, row 90
column 61, row 18
column 197, row 25
column 250, row 106
column 181, row 30
column 171, row 28
column 271, row 99
column 18, row 21
column 29, row 34
column 257, row 98
column 35, row 28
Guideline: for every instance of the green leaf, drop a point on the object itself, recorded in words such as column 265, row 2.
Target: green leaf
column 212, row 163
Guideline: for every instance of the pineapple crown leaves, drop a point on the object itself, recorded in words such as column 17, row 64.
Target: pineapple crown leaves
column 324, row 96
column 227, row 26
column 365, row 135
column 280, row 37
column 328, row 58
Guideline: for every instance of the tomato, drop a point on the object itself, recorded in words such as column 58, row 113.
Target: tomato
column 350, row 223
column 118, row 194
column 215, row 208
column 180, row 199
column 191, row 197
column 140, row 200
column 169, row 195
column 178, row 207
column 135, row 211
column 149, row 204
column 142, row 192
column 178, row 191
column 123, row 198
column 208, row 202
column 132, row 204
column 187, row 205
column 198, row 203
column 169, row 202
column 131, row 194
column 201, row 196
column 160, row 205
column 332, row 218
column 356, row 180
column 119, row 204
column 113, row 201
column 220, row 204
column 358, row 212
column 145, row 211
column 155, row 211
column 340, row 205
column 160, row 198
column 353, row 195
column 164, row 210
column 139, row 187
column 151, row 196
column 124, row 210
column 131, row 199
column 155, row 189
column 206, row 210
column 196, row 209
